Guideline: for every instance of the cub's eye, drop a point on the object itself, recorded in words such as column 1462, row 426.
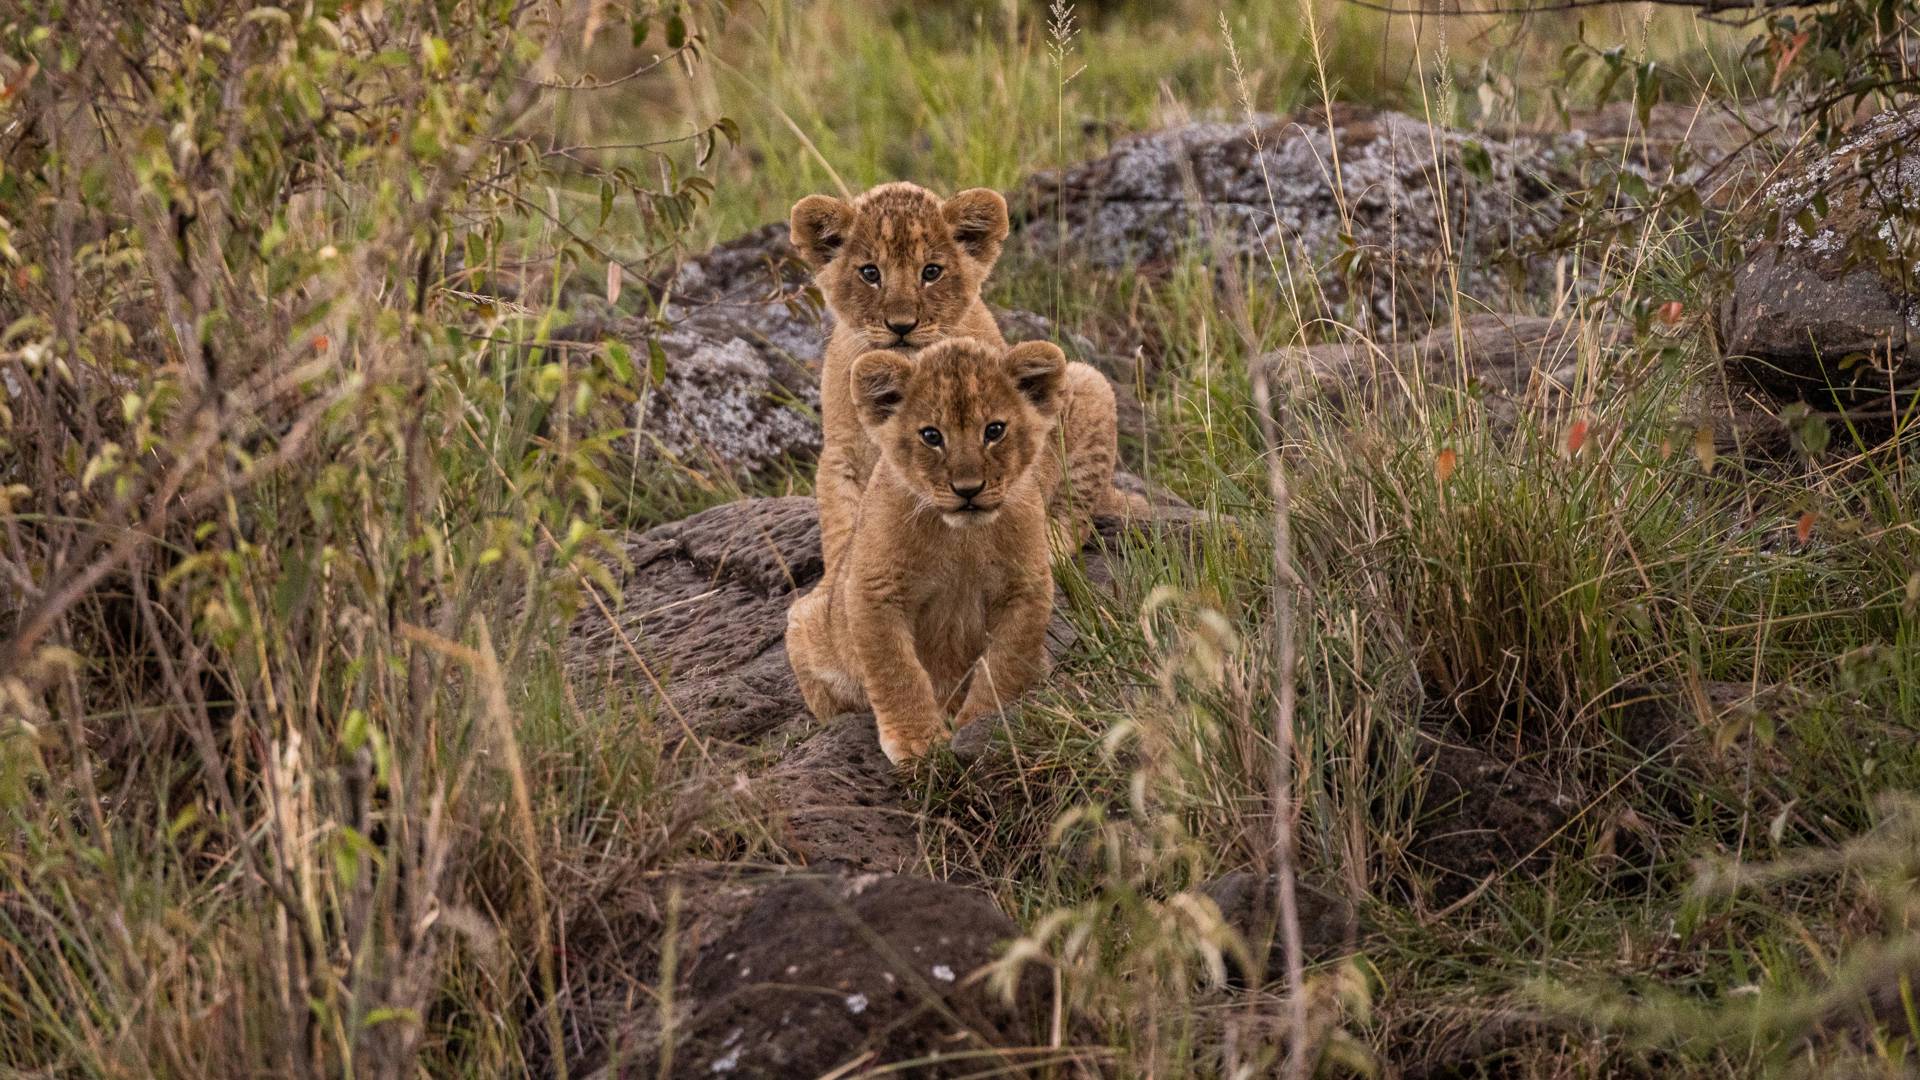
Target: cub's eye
column 870, row 274
column 995, row 430
column 931, row 272
column 931, row 436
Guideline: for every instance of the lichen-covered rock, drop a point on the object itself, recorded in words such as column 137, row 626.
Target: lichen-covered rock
column 1385, row 221
column 872, row 969
column 1827, row 304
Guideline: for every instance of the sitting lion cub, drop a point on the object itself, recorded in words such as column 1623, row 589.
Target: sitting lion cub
column 945, row 591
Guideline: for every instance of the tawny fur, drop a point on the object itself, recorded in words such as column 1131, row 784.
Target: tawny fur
column 940, row 607
column 899, row 230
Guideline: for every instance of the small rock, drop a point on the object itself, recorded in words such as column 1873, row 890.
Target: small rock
column 1249, row 903
column 1480, row 815
column 839, row 941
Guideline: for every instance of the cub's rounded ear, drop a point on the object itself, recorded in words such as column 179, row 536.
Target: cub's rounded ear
column 820, row 224
column 978, row 218
column 1039, row 369
column 879, row 385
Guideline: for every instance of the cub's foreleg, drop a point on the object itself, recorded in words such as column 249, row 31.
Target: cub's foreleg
column 1016, row 653
column 904, row 709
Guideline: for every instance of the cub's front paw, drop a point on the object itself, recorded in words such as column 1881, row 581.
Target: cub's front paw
column 905, row 744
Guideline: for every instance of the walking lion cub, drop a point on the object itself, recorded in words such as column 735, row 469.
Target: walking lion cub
column 941, row 604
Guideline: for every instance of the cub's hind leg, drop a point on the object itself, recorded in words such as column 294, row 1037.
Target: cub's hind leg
column 1076, row 478
column 827, row 680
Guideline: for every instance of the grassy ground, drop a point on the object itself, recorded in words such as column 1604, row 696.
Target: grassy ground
column 1712, row 658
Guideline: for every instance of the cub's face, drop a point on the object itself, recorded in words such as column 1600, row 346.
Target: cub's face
column 961, row 422
column 898, row 264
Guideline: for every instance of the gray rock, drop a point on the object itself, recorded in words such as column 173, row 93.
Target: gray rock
column 1510, row 360
column 1415, row 200
column 1249, row 902
column 1831, row 308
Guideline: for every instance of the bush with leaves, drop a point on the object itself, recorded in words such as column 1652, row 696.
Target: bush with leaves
column 288, row 486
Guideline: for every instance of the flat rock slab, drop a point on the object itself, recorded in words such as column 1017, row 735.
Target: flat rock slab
column 703, row 612
column 859, row 971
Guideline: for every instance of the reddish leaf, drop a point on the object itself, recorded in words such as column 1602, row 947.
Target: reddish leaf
column 1671, row 311
column 1788, row 53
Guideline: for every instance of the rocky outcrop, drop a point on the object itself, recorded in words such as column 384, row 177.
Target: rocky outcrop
column 1383, row 222
column 1825, row 306
column 703, row 613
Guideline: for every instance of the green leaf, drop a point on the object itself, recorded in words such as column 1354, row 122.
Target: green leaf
column 620, row 358
column 656, row 364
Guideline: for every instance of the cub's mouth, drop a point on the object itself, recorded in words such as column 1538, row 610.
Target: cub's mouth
column 969, row 515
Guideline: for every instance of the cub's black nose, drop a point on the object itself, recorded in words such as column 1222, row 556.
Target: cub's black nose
column 968, row 491
column 902, row 327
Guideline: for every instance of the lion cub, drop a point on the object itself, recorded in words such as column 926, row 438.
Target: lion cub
column 942, row 602
column 901, row 269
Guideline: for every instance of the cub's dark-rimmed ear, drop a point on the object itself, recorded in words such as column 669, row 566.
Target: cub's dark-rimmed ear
column 819, row 225
column 879, row 385
column 978, row 220
column 1039, row 370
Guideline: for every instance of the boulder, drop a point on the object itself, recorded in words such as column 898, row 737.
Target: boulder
column 1824, row 306
column 1382, row 226
column 823, row 973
